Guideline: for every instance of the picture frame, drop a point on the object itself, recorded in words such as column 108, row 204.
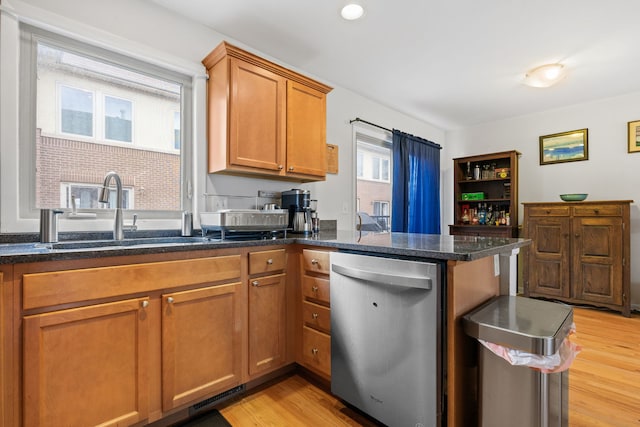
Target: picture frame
column 633, row 136
column 571, row 146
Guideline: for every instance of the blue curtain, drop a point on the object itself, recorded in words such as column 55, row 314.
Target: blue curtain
column 416, row 185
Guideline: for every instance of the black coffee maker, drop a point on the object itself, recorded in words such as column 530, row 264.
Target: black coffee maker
column 297, row 202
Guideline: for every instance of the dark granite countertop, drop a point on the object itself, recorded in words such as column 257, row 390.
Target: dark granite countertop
column 428, row 246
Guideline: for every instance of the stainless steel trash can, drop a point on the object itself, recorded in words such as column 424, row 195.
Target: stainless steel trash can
column 519, row 395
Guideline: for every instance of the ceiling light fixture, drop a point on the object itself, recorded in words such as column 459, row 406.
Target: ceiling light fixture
column 545, row 75
column 352, row 11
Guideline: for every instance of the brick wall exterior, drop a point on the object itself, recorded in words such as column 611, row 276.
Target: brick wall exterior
column 153, row 176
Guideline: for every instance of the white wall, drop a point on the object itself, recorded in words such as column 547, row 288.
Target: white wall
column 610, row 173
column 140, row 28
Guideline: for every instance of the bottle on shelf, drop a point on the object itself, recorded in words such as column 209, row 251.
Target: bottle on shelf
column 469, row 176
column 476, row 172
column 465, row 217
column 482, row 215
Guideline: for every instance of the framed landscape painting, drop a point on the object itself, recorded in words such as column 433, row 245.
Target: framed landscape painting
column 563, row 147
column 633, row 136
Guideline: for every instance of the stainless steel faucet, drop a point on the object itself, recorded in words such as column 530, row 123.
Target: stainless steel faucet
column 118, row 230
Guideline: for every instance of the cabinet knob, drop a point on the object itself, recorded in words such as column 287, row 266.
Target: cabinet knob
column 314, row 351
column 145, row 304
column 596, row 211
column 280, row 167
column 269, row 261
column 577, row 236
column 255, row 283
column 170, row 300
column 314, row 288
column 314, row 261
column 314, row 315
column 548, row 211
column 290, row 168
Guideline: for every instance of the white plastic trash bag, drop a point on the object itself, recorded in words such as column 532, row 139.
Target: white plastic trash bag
column 559, row 361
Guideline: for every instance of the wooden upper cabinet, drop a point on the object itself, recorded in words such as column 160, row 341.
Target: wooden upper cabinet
column 257, row 119
column 264, row 119
column 306, row 130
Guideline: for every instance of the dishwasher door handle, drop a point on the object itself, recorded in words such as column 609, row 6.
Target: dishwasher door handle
column 387, row 279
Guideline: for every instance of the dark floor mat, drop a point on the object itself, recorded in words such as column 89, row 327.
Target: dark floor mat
column 210, row 419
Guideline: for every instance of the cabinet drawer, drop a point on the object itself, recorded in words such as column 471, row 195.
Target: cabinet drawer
column 548, row 211
column 316, row 316
column 598, row 210
column 315, row 288
column 70, row 286
column 316, row 350
column 267, row 261
column 315, row 261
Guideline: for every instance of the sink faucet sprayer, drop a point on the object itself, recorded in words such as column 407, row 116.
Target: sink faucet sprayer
column 118, row 231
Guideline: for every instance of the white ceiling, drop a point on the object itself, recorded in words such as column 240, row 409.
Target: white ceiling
column 452, row 63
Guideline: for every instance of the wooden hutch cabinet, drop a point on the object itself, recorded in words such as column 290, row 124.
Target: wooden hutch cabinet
column 486, row 195
column 579, row 252
column 264, row 119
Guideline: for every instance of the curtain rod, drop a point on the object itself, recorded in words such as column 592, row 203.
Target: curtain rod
column 358, row 119
column 426, row 141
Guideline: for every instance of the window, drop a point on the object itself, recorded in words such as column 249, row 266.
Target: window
column 86, row 197
column 176, row 130
column 373, row 178
column 76, row 110
column 381, row 214
column 114, row 113
column 117, row 119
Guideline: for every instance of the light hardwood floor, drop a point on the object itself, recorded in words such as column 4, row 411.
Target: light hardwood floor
column 604, row 384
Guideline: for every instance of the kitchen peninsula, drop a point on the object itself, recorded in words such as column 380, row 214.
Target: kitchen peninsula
column 155, row 293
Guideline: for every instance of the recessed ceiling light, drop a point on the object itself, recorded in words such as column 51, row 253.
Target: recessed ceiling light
column 352, row 11
column 545, row 75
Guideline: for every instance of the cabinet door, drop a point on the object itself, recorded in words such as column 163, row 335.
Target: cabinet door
column 201, row 343
column 306, row 130
column 597, row 268
column 548, row 260
column 257, row 117
column 87, row 366
column 267, row 323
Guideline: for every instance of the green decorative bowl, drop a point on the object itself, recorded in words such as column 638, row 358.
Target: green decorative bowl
column 578, row 197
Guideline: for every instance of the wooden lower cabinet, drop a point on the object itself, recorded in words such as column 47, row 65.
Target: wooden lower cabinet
column 579, row 253
column 267, row 324
column 267, row 314
column 315, row 327
column 87, row 366
column 201, row 341
column 92, row 356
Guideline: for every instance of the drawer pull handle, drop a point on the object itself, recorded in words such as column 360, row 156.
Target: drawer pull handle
column 548, row 211
column 314, row 351
column 596, row 211
column 314, row 261
column 314, row 288
column 145, row 304
column 170, row 300
column 314, row 315
column 269, row 261
column 255, row 283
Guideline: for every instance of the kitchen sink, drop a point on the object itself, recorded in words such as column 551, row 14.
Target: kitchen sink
column 81, row 245
column 106, row 244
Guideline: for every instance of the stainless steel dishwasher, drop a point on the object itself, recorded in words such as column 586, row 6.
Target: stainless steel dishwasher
column 386, row 338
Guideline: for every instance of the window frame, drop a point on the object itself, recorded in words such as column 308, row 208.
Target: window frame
column 23, row 217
